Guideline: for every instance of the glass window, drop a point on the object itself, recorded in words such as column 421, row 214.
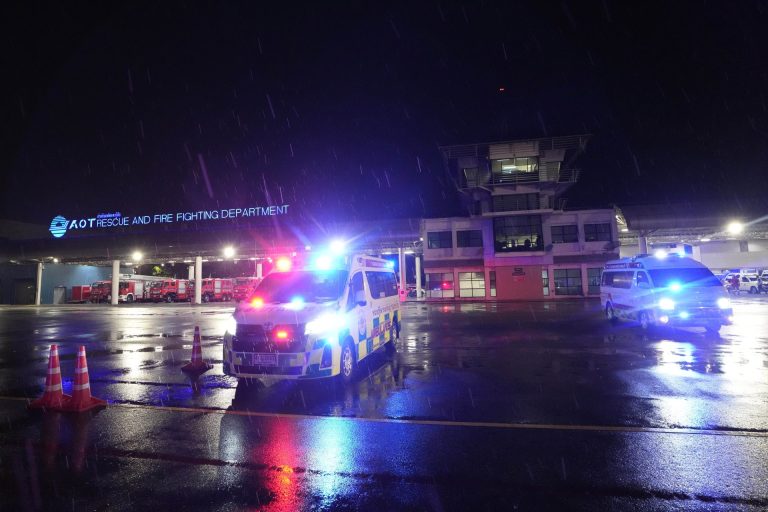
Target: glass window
column 492, row 282
column 593, row 281
column 567, row 281
column 469, row 238
column 642, row 278
column 565, row 234
column 517, row 233
column 663, row 278
column 545, row 282
column 355, row 285
column 471, row 176
column 382, row 284
column 524, row 168
column 471, row 284
column 597, row 232
column 618, row 279
column 440, row 285
column 514, row 202
column 439, row 240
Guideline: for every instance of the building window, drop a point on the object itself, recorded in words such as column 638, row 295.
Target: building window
column 593, row 281
column 565, row 234
column 472, row 177
column 597, row 232
column 518, row 233
column 440, row 285
column 439, row 240
column 512, row 166
column 471, row 284
column 515, row 202
column 568, row 281
column 469, row 238
column 545, row 282
column 492, row 282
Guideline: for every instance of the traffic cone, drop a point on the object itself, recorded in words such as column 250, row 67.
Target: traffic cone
column 196, row 365
column 81, row 388
column 53, row 397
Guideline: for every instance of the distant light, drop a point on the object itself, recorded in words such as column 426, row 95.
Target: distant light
column 307, row 247
column 252, row 259
column 705, row 240
column 296, row 304
column 501, row 89
column 421, row 238
column 162, row 264
column 55, row 260
column 391, row 264
column 338, row 246
column 283, row 264
column 228, row 252
column 408, row 251
column 323, row 262
column 735, row 228
column 660, row 253
column 624, row 230
column 171, row 262
column 137, row 256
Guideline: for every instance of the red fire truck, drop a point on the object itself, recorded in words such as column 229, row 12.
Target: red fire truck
column 130, row 289
column 215, row 289
column 243, row 287
column 171, row 290
column 81, row 293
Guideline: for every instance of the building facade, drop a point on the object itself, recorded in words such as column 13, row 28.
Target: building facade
column 518, row 242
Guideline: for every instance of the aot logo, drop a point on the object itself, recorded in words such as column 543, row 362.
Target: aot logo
column 58, row 226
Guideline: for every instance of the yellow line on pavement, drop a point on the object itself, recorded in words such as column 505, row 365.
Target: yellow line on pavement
column 439, row 423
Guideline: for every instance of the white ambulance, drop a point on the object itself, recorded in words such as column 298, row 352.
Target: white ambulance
column 664, row 289
column 318, row 321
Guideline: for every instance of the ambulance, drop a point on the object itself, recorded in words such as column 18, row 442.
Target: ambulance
column 313, row 322
column 664, row 289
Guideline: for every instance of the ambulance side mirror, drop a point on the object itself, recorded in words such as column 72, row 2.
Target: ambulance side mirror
column 360, row 298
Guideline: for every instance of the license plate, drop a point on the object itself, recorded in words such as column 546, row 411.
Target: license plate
column 264, row 359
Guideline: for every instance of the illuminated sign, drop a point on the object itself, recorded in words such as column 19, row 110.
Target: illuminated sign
column 60, row 225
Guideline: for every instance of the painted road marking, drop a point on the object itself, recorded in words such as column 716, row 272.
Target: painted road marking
column 439, row 423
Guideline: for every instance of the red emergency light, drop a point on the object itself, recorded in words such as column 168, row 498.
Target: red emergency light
column 283, row 265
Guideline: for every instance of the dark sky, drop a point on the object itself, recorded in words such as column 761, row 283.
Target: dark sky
column 339, row 109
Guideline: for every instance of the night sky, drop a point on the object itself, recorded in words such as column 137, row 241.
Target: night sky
column 339, row 109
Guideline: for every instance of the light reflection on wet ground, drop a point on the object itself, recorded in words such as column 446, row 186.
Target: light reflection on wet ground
column 535, row 364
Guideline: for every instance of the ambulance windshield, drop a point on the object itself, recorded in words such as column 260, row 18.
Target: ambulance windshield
column 307, row 286
column 671, row 277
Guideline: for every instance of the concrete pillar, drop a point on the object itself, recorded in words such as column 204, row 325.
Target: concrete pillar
column 198, row 279
column 259, row 270
column 418, row 276
column 191, row 272
column 642, row 244
column 401, row 266
column 115, row 281
column 39, row 283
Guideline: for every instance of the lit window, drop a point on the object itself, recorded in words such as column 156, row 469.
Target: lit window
column 440, row 285
column 518, row 233
column 471, row 284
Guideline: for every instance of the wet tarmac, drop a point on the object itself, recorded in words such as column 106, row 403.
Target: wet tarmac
column 483, row 407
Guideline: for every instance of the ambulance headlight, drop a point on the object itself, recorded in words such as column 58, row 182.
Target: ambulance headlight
column 324, row 324
column 230, row 325
column 724, row 303
column 666, row 304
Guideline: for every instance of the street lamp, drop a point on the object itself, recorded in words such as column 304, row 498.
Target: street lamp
column 735, row 227
column 229, row 252
column 137, row 256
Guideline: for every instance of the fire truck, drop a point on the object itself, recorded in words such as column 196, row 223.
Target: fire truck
column 171, row 290
column 215, row 289
column 244, row 287
column 81, row 293
column 131, row 289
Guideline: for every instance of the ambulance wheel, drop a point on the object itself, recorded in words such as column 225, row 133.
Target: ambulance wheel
column 753, row 290
column 348, row 362
column 390, row 346
column 610, row 314
column 713, row 329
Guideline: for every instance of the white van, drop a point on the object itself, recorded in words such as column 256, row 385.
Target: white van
column 318, row 321
column 664, row 289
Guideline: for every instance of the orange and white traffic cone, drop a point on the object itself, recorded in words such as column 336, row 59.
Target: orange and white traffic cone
column 196, row 365
column 81, row 388
column 53, row 397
